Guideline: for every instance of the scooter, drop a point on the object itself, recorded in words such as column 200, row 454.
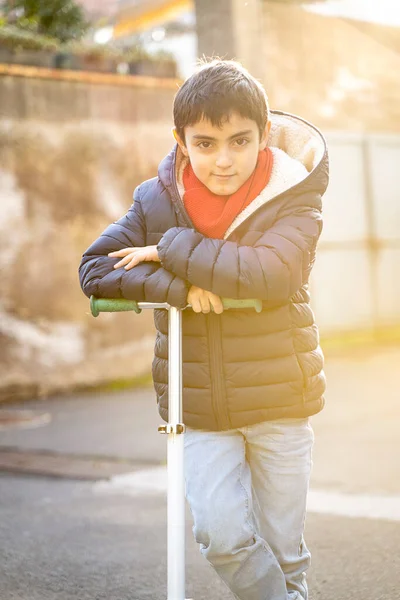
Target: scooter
column 174, row 429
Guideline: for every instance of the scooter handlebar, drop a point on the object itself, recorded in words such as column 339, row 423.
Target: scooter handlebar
column 98, row 305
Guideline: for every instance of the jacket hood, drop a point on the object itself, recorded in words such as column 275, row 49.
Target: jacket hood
column 301, row 141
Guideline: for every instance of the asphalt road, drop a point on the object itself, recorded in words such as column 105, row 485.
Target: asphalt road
column 64, row 539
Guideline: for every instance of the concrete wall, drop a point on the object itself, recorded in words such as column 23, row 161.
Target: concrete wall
column 72, row 96
column 355, row 283
column 336, row 74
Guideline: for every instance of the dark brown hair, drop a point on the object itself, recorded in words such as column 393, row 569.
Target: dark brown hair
column 217, row 89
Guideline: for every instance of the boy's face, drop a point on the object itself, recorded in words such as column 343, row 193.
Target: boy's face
column 223, row 158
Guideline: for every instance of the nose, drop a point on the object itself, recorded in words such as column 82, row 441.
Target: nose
column 224, row 160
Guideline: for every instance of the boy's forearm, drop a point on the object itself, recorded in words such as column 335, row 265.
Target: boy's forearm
column 147, row 282
column 175, row 251
column 210, row 264
column 272, row 271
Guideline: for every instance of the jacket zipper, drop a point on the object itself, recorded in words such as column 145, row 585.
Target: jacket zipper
column 218, row 388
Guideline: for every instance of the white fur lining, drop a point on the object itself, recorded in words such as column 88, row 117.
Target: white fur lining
column 298, row 139
column 181, row 163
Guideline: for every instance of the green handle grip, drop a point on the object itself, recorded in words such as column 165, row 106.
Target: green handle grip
column 250, row 303
column 98, row 305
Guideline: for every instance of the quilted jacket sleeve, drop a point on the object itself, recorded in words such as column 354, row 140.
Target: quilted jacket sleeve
column 147, row 282
column 272, row 269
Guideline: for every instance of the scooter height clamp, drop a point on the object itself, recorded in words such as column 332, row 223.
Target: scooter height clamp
column 177, row 428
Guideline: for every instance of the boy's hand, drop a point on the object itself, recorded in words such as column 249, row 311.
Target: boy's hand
column 134, row 256
column 203, row 301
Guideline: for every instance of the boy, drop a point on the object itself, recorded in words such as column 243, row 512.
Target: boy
column 234, row 212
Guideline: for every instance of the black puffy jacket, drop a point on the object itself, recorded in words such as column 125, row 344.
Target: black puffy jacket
column 239, row 368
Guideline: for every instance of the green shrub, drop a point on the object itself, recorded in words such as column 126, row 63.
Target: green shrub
column 14, row 38
column 61, row 19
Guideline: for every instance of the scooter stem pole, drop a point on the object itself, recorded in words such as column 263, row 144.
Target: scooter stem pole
column 175, row 457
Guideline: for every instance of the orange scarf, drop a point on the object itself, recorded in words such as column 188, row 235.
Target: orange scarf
column 211, row 213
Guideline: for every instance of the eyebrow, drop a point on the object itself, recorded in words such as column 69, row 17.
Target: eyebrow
column 209, row 137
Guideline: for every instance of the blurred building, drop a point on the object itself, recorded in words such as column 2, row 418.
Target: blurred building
column 155, row 25
column 97, row 9
column 187, row 29
column 159, row 25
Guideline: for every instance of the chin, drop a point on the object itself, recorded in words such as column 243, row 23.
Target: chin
column 223, row 190
column 227, row 191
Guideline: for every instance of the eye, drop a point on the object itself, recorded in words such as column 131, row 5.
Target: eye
column 242, row 141
column 201, row 145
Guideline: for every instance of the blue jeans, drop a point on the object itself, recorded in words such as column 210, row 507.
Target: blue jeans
column 247, row 491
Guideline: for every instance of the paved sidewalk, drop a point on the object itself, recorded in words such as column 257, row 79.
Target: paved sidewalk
column 357, row 442
column 64, row 539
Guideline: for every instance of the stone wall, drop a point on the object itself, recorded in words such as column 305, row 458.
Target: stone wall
column 60, row 186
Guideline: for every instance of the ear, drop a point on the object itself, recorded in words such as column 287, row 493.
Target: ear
column 180, row 142
column 264, row 138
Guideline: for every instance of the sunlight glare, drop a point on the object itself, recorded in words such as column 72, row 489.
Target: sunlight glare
column 384, row 12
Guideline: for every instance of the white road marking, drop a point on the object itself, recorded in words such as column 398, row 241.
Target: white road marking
column 154, row 482
column 138, row 483
column 22, row 419
column 368, row 506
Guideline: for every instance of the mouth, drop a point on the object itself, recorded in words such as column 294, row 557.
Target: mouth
column 222, row 176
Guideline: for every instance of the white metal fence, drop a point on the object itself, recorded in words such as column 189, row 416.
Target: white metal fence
column 356, row 279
